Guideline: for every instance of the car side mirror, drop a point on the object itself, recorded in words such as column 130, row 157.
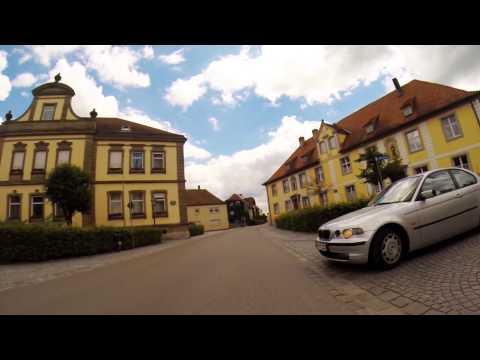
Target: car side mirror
column 427, row 194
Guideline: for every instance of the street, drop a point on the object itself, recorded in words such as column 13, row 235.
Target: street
column 239, row 271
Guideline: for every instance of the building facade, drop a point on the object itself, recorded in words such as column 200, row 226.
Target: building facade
column 206, row 209
column 426, row 125
column 136, row 172
column 241, row 211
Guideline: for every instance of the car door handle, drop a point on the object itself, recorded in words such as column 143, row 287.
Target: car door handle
column 458, row 195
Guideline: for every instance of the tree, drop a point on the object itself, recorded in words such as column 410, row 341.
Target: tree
column 378, row 168
column 69, row 187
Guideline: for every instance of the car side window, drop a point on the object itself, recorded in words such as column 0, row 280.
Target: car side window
column 463, row 178
column 440, row 181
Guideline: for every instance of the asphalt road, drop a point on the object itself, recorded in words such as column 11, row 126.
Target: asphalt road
column 240, row 271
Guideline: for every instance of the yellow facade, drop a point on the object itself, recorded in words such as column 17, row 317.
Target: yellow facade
column 89, row 142
column 436, row 152
column 212, row 217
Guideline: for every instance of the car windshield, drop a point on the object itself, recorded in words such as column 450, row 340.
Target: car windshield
column 400, row 191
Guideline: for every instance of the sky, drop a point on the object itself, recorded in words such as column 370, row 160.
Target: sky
column 242, row 108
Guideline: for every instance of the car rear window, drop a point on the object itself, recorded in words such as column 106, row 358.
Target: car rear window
column 463, row 178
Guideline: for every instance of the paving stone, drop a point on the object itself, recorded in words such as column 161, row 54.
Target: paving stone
column 377, row 290
column 401, row 302
column 434, row 312
column 389, row 296
column 415, row 308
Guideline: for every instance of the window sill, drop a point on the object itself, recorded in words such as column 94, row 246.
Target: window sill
column 16, row 172
column 36, row 219
column 115, row 217
column 158, row 171
column 135, row 171
column 115, row 171
column 38, row 172
column 161, row 214
column 138, row 216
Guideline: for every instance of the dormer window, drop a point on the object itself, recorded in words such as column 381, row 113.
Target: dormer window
column 125, row 128
column 370, row 128
column 48, row 111
column 407, row 110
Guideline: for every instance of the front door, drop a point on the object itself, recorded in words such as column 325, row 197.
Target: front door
column 437, row 218
column 467, row 195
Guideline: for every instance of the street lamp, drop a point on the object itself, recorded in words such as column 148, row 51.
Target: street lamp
column 380, row 158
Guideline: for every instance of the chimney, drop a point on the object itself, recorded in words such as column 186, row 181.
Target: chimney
column 315, row 132
column 198, row 187
column 397, row 86
column 301, row 140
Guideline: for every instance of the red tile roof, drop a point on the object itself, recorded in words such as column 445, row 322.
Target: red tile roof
column 426, row 98
column 235, row 197
column 201, row 197
column 303, row 157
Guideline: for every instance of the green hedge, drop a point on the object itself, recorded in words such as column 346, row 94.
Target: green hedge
column 310, row 219
column 32, row 242
column 196, row 229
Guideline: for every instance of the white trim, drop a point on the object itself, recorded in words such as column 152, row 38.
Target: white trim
column 433, row 159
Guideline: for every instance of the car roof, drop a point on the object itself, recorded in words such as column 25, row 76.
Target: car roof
column 426, row 173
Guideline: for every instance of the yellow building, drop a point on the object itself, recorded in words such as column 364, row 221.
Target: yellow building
column 128, row 163
column 426, row 125
column 206, row 209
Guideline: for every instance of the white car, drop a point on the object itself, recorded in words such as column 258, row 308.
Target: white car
column 410, row 214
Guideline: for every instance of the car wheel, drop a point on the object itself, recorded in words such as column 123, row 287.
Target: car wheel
column 387, row 249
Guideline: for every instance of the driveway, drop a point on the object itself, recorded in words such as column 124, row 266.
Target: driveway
column 239, row 271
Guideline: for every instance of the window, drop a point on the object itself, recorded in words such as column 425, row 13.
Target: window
column 288, row 205
column 293, row 182
column 370, row 128
column 407, row 110
column 476, row 107
column 115, row 205
column 303, row 180
column 420, row 169
column 461, row 161
column 160, row 204
column 40, row 160
column 115, row 161
column 36, row 207
column 306, row 202
column 136, row 163
column 57, row 212
column 323, row 147
column 345, row 165
column 286, row 186
column 350, row 191
column 14, row 207
column 414, row 141
column 137, row 203
column 276, row 209
column 274, row 190
column 63, row 157
column 463, row 178
column 441, row 182
column 319, row 175
column 323, row 198
column 332, row 142
column 48, row 111
column 451, row 127
column 18, row 160
column 158, row 161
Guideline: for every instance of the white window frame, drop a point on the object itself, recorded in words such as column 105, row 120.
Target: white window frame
column 416, row 168
column 476, row 108
column 370, row 128
column 59, row 157
column 323, row 147
column 462, row 164
column 35, row 167
column 320, row 178
column 303, row 202
column 293, row 183
column 351, row 194
column 274, row 190
column 409, row 143
column 32, row 203
column 142, row 157
column 302, row 183
column 111, row 163
column 142, row 201
column 286, row 189
column 335, row 143
column 17, row 153
column 323, row 199
column 120, row 201
column 448, row 123
column 345, row 165
column 288, row 205
column 161, row 155
column 48, row 106
column 10, row 203
column 407, row 110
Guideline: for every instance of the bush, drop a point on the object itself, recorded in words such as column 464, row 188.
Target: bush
column 196, row 229
column 32, row 242
column 310, row 219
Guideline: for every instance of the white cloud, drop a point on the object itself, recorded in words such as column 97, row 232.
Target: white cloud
column 24, row 80
column 24, row 93
column 116, row 65
column 326, row 73
column 88, row 94
column 5, row 85
column 215, row 124
column 173, row 58
column 244, row 171
column 148, row 52
column 184, row 92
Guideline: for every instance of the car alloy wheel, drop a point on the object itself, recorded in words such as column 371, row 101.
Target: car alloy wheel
column 391, row 248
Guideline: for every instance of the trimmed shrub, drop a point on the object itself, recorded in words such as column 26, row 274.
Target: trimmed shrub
column 310, row 219
column 196, row 229
column 32, row 242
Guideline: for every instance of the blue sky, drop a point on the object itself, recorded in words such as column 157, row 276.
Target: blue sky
column 241, row 107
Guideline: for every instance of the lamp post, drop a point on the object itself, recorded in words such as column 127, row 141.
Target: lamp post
column 380, row 158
